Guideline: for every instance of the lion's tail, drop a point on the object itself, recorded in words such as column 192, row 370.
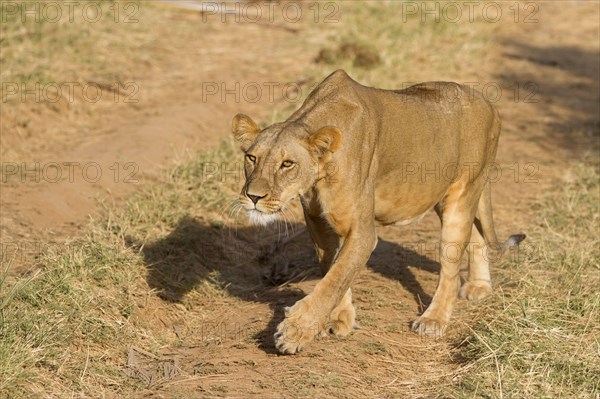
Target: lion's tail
column 485, row 224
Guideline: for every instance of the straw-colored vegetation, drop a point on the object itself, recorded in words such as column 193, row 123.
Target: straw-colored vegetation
column 66, row 328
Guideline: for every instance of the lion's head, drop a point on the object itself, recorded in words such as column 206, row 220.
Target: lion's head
column 281, row 161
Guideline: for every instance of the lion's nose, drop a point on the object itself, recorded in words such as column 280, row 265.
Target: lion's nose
column 255, row 198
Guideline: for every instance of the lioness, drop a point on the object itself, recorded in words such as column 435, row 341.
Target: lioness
column 358, row 155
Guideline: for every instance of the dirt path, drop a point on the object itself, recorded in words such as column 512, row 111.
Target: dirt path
column 225, row 348
column 179, row 111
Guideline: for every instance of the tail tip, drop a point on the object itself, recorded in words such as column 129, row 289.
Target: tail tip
column 515, row 239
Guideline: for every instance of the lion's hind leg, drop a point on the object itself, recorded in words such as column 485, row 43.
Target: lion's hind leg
column 457, row 212
column 484, row 245
column 479, row 281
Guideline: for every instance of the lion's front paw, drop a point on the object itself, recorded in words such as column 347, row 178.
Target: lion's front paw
column 342, row 320
column 473, row 290
column 299, row 327
column 339, row 328
column 430, row 326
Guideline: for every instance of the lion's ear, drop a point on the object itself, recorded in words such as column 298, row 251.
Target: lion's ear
column 244, row 130
column 325, row 139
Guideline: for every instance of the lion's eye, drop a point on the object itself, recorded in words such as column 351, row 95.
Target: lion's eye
column 251, row 158
column 287, row 164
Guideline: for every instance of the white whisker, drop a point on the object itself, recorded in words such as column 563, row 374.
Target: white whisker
column 285, row 220
column 229, row 205
column 237, row 214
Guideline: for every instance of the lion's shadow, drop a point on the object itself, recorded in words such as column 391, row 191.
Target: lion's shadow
column 246, row 266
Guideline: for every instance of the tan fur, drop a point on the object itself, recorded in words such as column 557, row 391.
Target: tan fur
column 350, row 153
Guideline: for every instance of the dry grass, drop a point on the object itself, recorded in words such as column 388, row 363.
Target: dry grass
column 75, row 47
column 381, row 30
column 151, row 272
column 540, row 335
